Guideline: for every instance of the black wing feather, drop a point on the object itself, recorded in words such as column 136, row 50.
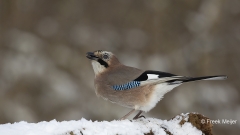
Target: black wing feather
column 144, row 77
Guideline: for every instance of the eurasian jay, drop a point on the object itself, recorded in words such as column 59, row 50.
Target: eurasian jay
column 132, row 87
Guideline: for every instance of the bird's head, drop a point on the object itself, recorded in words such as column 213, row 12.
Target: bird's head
column 102, row 60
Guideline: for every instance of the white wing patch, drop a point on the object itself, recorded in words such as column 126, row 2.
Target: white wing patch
column 152, row 76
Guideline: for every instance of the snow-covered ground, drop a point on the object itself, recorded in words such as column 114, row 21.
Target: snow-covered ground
column 87, row 127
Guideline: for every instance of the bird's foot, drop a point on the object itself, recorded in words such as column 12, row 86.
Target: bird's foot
column 141, row 116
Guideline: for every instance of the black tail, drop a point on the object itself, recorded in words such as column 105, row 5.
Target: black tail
column 190, row 79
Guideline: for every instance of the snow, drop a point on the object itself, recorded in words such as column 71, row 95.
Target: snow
column 87, row 127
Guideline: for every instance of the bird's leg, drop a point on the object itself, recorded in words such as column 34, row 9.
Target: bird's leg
column 125, row 116
column 137, row 116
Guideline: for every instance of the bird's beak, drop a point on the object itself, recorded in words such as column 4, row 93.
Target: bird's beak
column 91, row 56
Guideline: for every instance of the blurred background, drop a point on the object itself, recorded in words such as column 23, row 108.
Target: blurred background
column 45, row 75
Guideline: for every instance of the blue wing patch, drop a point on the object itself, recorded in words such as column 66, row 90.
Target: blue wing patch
column 126, row 86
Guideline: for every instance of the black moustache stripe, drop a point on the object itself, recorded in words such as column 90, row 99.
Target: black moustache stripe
column 105, row 64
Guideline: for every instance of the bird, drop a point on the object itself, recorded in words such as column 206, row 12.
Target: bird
column 131, row 87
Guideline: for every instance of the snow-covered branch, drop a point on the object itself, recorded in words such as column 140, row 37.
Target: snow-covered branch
column 183, row 124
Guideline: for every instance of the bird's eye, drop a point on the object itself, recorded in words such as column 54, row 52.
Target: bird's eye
column 105, row 56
